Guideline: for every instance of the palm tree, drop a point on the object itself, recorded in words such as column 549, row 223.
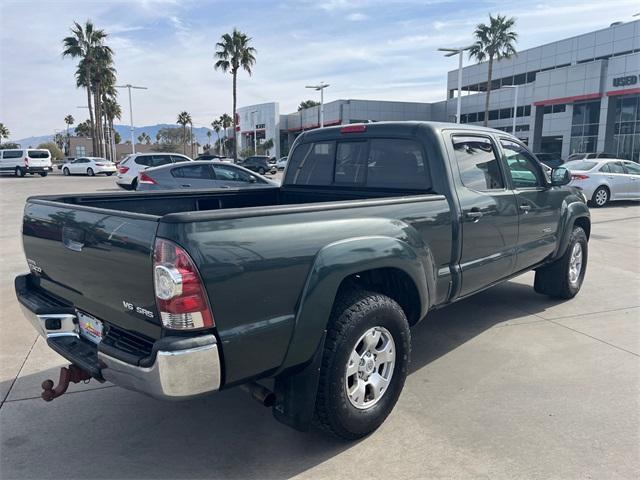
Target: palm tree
column 217, row 126
column 225, row 122
column 233, row 53
column 493, row 41
column 111, row 110
column 184, row 119
column 4, row 132
column 83, row 44
column 69, row 121
column 208, row 140
column 144, row 138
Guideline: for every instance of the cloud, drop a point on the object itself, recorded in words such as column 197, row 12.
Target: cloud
column 357, row 17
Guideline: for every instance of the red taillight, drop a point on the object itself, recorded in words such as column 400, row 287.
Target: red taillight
column 353, row 129
column 144, row 178
column 579, row 176
column 123, row 170
column 180, row 295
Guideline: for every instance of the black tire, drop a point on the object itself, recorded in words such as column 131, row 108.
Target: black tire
column 261, row 171
column 90, row 172
column 134, row 184
column 601, row 197
column 44, row 174
column 109, row 174
column 19, row 172
column 65, row 172
column 554, row 279
column 354, row 313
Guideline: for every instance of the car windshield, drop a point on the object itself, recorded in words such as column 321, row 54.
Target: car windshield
column 580, row 165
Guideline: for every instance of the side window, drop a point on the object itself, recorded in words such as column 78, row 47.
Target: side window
column 178, row 158
column 478, row 163
column 12, row 154
column 605, row 168
column 397, row 163
column 159, row 160
column 231, row 174
column 616, row 167
column 351, row 163
column 144, row 161
column 312, row 164
column 632, row 168
column 202, row 172
column 523, row 167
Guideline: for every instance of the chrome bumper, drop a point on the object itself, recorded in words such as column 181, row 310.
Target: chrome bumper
column 182, row 368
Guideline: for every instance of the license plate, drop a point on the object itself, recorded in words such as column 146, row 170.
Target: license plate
column 90, row 327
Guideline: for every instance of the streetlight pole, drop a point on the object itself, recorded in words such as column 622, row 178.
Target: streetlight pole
column 128, row 86
column 321, row 86
column 515, row 105
column 254, row 116
column 450, row 53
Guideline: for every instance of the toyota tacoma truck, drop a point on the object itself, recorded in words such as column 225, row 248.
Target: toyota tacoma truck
column 303, row 293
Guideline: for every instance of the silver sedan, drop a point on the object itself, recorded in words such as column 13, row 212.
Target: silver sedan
column 201, row 174
column 604, row 180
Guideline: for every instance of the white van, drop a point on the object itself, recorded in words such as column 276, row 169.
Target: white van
column 28, row 160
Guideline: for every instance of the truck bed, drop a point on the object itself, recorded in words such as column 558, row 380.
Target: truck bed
column 173, row 202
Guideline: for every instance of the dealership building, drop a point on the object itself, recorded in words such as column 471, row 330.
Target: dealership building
column 580, row 94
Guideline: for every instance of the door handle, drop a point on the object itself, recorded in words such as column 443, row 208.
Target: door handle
column 474, row 214
column 186, row 185
column 525, row 208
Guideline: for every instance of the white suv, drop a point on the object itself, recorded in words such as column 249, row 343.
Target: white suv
column 133, row 164
column 22, row 161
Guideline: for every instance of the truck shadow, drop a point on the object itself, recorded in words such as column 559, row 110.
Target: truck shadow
column 113, row 433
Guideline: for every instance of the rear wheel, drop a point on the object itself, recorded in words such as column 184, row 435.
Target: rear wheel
column 19, row 172
column 90, row 172
column 65, row 172
column 563, row 278
column 109, row 174
column 134, row 184
column 261, row 171
column 44, row 174
column 364, row 364
column 600, row 197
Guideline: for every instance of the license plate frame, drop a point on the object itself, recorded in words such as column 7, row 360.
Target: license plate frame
column 90, row 327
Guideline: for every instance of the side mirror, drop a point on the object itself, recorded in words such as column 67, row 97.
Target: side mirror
column 560, row 176
column 252, row 179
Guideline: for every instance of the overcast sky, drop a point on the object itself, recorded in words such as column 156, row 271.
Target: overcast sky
column 369, row 49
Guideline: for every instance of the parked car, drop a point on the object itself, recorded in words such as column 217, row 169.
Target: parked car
column 604, row 180
column 589, row 156
column 313, row 284
column 200, row 174
column 259, row 163
column 61, row 164
column 25, row 161
column 552, row 160
column 131, row 166
column 91, row 166
column 282, row 163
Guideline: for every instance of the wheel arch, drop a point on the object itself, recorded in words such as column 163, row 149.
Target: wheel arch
column 574, row 213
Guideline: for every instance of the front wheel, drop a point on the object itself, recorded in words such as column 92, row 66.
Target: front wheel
column 109, row 174
column 364, row 364
column 261, row 171
column 19, row 172
column 90, row 172
column 44, row 174
column 65, row 172
column 600, row 197
column 563, row 278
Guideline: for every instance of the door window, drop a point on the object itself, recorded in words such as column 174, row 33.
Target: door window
column 12, row 154
column 178, row 158
column 605, row 168
column 193, row 171
column 478, row 163
column 159, row 160
column 616, row 167
column 523, row 167
column 230, row 174
column 632, row 168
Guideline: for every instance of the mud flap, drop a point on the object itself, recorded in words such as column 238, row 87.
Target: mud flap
column 296, row 393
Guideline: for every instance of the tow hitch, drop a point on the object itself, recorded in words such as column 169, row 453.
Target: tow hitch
column 69, row 374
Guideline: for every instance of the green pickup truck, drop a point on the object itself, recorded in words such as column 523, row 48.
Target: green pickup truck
column 303, row 293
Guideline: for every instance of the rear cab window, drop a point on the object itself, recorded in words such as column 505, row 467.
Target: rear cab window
column 39, row 153
column 381, row 163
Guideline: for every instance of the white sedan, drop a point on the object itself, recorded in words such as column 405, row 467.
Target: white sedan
column 604, row 180
column 89, row 166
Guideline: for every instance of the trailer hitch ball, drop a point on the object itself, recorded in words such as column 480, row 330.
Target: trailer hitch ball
column 69, row 374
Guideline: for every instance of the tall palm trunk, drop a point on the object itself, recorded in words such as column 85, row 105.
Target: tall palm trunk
column 184, row 139
column 486, row 99
column 93, row 124
column 235, row 144
column 99, row 130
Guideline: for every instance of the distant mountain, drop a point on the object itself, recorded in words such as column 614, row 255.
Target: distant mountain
column 124, row 131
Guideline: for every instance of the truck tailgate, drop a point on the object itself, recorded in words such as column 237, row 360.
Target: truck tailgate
column 99, row 261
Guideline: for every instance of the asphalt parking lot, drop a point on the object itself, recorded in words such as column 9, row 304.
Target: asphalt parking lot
column 507, row 384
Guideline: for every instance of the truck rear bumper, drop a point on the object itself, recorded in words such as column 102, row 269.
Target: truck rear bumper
column 177, row 369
